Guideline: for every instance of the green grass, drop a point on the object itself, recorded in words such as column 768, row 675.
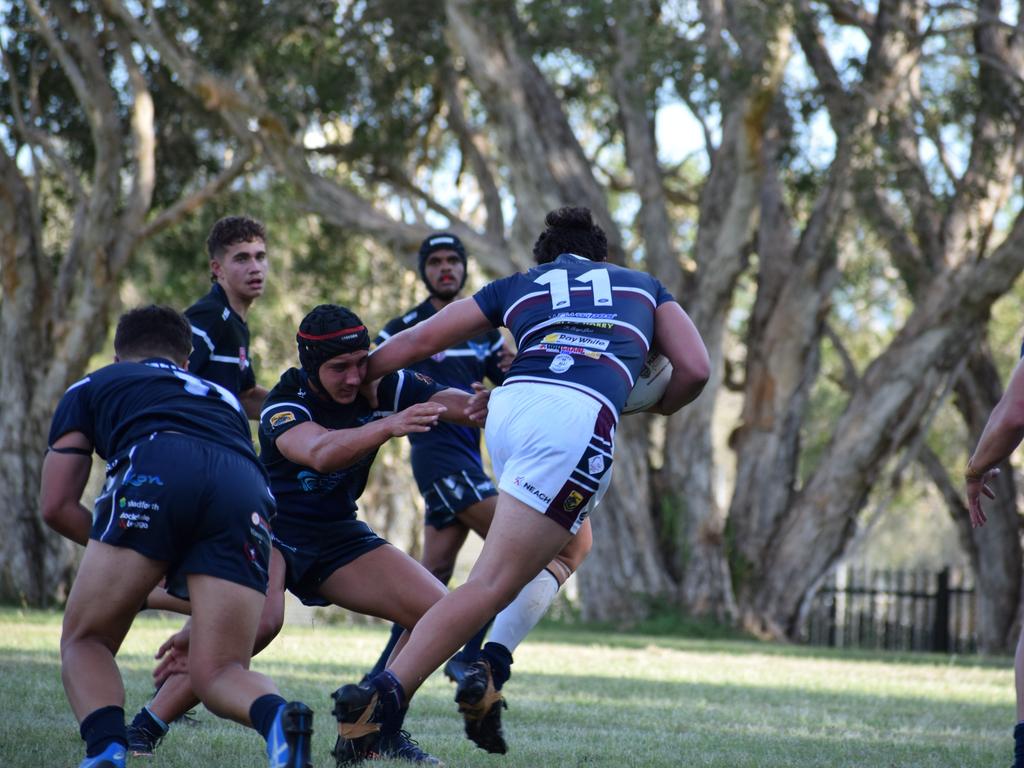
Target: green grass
column 578, row 697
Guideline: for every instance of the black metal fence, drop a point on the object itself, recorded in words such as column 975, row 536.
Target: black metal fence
column 894, row 610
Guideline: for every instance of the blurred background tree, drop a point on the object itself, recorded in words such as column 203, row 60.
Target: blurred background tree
column 831, row 188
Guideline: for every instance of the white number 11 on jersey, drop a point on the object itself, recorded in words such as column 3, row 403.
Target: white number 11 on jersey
column 557, row 281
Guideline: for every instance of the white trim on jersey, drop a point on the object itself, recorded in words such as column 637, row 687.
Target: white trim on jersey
column 498, row 344
column 573, row 321
column 232, row 360
column 203, row 335
column 570, row 384
column 520, row 300
column 384, row 334
column 460, row 353
column 78, row 383
column 641, row 291
column 302, row 408
column 398, row 389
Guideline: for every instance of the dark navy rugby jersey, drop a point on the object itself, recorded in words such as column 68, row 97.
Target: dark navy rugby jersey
column 449, row 448
column 220, row 342
column 120, row 404
column 302, row 493
column 580, row 323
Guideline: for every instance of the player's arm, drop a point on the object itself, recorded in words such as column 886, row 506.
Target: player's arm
column 65, row 472
column 1002, row 434
column 327, row 450
column 676, row 337
column 252, row 401
column 457, row 322
column 468, row 409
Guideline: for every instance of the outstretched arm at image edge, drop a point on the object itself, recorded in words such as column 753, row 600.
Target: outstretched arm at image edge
column 676, row 337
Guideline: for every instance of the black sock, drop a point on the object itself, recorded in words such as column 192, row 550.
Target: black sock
column 101, row 728
column 393, row 703
column 500, row 659
column 149, row 723
column 396, row 633
column 263, row 711
column 471, row 650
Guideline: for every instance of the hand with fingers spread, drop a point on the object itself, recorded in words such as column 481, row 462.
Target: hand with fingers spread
column 978, row 485
column 173, row 656
column 420, row 417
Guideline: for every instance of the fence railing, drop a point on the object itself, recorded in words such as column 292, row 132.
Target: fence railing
column 894, row 610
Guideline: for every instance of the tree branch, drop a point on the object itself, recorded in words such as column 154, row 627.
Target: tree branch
column 187, row 205
column 468, row 141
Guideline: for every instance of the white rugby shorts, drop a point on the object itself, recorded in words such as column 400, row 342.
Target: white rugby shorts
column 551, row 447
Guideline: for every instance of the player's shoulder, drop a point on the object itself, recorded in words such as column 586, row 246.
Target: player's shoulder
column 291, row 384
column 208, row 309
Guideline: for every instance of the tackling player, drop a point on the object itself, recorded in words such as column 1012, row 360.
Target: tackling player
column 185, row 497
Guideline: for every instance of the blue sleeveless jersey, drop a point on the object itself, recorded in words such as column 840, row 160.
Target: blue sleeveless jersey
column 448, row 448
column 302, row 493
column 120, row 404
column 577, row 323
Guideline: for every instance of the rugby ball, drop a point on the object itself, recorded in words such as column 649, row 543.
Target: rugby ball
column 650, row 384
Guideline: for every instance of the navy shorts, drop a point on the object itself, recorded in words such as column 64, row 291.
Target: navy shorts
column 314, row 550
column 200, row 507
column 449, row 495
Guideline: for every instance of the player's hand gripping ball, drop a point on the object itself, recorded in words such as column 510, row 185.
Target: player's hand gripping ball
column 650, row 384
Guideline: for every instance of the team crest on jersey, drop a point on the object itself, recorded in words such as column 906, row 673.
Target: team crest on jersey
column 422, row 377
column 281, row 418
column 596, row 464
column 573, row 500
column 561, row 363
column 242, row 359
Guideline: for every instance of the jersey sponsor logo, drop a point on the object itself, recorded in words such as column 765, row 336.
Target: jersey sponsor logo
column 572, row 501
column 140, row 480
column 139, row 520
column 522, row 482
column 242, row 358
column 422, row 377
column 561, row 363
column 573, row 340
column 281, row 418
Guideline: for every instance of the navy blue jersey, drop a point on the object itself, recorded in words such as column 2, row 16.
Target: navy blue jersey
column 449, row 448
column 120, row 404
column 220, row 342
column 302, row 493
column 579, row 323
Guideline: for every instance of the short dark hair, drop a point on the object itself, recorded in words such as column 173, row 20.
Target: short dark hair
column 153, row 331
column 231, row 230
column 570, row 230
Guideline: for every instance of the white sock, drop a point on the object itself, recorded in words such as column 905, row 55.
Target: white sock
column 515, row 622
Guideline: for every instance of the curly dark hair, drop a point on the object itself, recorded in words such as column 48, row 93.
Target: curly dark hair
column 570, row 230
column 153, row 331
column 231, row 230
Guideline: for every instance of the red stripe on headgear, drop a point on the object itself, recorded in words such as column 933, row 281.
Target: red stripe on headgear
column 333, row 334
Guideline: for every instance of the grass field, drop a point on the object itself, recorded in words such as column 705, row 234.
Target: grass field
column 577, row 698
